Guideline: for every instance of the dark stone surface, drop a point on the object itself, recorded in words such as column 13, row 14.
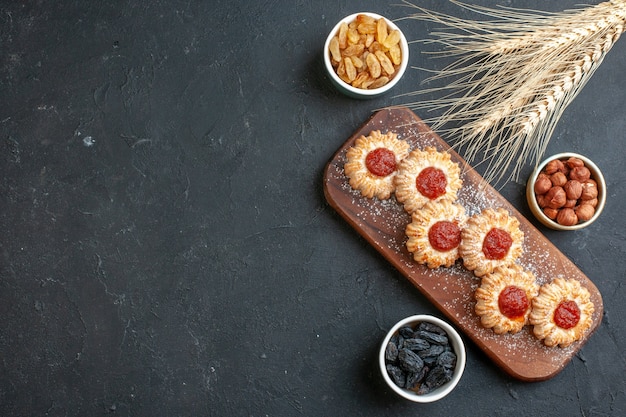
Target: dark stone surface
column 166, row 247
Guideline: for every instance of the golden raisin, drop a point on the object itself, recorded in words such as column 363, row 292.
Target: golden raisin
column 381, row 30
column 385, row 62
column 373, row 65
column 334, row 49
column 350, row 70
column 392, row 39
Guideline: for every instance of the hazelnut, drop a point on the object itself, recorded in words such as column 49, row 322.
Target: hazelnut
column 555, row 197
column 554, row 166
column 541, row 200
column 574, row 162
column 543, row 184
column 590, row 191
column 573, row 189
column 591, row 181
column 580, row 173
column 593, row 202
column 550, row 212
column 584, row 212
column 570, row 203
column 558, row 179
column 567, row 217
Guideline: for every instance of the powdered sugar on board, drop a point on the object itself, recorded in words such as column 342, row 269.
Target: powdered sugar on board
column 383, row 223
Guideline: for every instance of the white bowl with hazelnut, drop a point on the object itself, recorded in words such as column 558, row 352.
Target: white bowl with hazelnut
column 365, row 55
column 566, row 192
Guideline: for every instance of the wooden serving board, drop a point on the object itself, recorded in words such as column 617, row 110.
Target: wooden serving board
column 382, row 224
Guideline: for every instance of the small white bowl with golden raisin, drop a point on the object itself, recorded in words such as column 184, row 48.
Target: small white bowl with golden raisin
column 567, row 191
column 422, row 358
column 365, row 55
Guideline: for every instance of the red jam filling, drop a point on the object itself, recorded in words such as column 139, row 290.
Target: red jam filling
column 567, row 314
column 431, row 182
column 496, row 244
column 381, row 162
column 513, row 302
column 444, row 236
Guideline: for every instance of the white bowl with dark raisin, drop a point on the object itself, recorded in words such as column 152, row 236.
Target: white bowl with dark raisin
column 422, row 358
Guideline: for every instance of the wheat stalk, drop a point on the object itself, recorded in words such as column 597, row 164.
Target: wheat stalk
column 514, row 75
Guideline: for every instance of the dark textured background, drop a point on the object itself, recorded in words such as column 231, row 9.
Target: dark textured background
column 166, row 249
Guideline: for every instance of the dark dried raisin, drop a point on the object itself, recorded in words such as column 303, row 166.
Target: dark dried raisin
column 436, row 378
column 407, row 332
column 447, row 360
column 413, row 380
column 391, row 352
column 433, row 350
column 400, row 342
column 430, row 355
column 410, row 361
column 431, row 337
column 431, row 327
column 416, row 344
column 397, row 375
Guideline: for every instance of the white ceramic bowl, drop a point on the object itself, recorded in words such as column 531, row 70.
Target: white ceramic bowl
column 596, row 174
column 457, row 345
column 361, row 93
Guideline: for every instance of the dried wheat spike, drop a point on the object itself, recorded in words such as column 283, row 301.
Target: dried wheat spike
column 513, row 76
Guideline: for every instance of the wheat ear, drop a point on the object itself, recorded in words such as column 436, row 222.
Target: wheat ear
column 513, row 76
